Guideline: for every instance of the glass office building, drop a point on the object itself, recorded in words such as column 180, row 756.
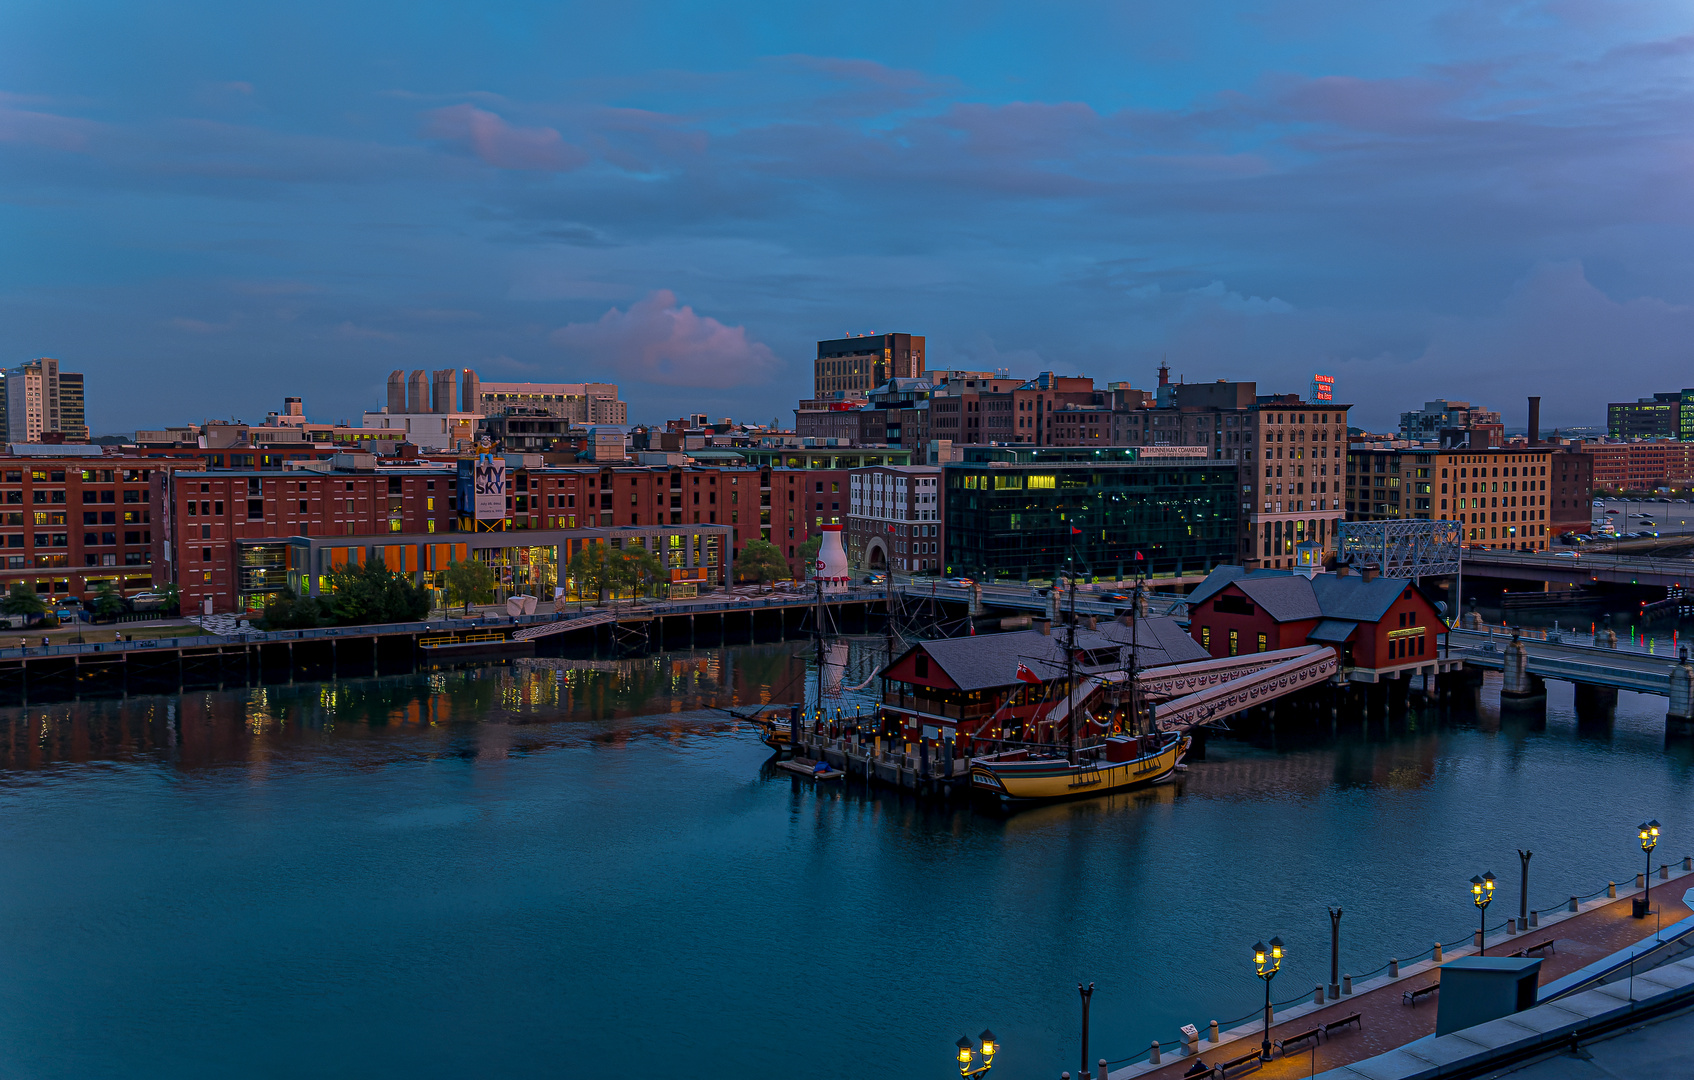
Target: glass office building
column 1023, row 512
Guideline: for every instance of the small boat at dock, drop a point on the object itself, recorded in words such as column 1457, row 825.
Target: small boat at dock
column 802, row 766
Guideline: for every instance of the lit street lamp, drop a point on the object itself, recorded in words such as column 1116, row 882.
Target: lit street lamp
column 1267, row 962
column 1482, row 894
column 1649, row 833
column 969, row 1065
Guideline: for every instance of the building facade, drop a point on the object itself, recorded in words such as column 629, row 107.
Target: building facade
column 1668, row 416
column 1640, row 466
column 1518, row 497
column 1441, row 416
column 1021, row 512
column 75, row 518
column 895, row 520
column 40, row 399
column 858, row 365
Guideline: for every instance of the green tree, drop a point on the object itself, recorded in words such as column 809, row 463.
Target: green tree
column 469, row 582
column 22, row 600
column 173, row 597
column 107, row 602
column 761, row 561
column 589, row 571
column 372, row 593
column 809, row 552
column 635, row 569
column 290, row 612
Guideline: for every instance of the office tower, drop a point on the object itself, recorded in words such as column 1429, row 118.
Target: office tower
column 857, row 365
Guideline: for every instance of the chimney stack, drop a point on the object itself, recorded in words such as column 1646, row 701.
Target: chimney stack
column 1535, row 421
column 1369, row 572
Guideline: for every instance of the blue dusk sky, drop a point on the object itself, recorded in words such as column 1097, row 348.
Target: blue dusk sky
column 206, row 206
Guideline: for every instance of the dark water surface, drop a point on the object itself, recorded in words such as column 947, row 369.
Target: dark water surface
column 536, row 872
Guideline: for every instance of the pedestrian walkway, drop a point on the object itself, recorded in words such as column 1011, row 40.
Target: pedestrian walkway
column 1600, row 929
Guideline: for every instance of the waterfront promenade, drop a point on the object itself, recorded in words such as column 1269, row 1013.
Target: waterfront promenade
column 1600, row 928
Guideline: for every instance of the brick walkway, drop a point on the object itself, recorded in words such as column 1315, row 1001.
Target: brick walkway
column 1387, row 1023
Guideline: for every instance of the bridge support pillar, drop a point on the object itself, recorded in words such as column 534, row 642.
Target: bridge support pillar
column 1595, row 702
column 1516, row 680
column 1605, row 638
column 1679, row 717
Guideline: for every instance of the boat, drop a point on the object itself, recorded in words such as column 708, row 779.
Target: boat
column 1119, row 763
column 803, row 766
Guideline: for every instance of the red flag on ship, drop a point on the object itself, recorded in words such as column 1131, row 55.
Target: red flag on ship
column 1026, row 675
column 1075, row 531
column 1138, row 557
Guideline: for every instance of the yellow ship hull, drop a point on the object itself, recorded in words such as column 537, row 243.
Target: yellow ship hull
column 1056, row 778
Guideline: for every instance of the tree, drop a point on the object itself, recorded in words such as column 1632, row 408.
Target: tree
column 290, row 612
column 607, row 570
column 470, row 582
column 22, row 600
column 809, row 550
column 107, row 602
column 588, row 569
column 372, row 593
column 761, row 561
column 173, row 597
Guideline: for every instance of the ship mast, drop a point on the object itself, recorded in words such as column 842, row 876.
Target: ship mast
column 1070, row 672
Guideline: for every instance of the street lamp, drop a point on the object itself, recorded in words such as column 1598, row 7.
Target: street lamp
column 968, row 1064
column 1267, row 961
column 1648, row 831
column 1482, row 894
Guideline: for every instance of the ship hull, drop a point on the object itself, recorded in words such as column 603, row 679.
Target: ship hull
column 1051, row 779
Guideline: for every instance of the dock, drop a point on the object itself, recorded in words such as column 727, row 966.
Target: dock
column 1595, row 930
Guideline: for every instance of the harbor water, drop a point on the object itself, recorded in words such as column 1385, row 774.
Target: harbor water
column 581, row 870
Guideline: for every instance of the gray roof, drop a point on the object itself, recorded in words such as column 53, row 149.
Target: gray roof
column 991, row 660
column 1352, row 597
column 1332, row 631
column 1288, row 595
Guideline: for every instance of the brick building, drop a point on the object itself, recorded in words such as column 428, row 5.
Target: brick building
column 1511, row 497
column 1379, row 627
column 221, row 534
column 75, row 517
column 1640, row 466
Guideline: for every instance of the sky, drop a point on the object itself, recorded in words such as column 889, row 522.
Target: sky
column 207, row 206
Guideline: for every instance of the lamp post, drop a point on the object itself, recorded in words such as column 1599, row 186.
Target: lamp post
column 1267, row 961
column 1482, row 894
column 976, row 1062
column 1087, row 995
column 1334, row 952
column 1523, row 894
column 1649, row 834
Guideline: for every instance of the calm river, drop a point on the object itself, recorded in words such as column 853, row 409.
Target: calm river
column 556, row 870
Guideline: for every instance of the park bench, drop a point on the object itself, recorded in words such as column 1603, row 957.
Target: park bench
column 1330, row 1028
column 1240, row 1063
column 1537, row 947
column 1410, row 997
column 1285, row 1043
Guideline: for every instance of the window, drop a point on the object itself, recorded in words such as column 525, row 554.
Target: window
column 1234, row 642
column 1206, row 638
column 1264, row 642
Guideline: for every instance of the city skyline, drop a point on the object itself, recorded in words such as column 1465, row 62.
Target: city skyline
column 1438, row 200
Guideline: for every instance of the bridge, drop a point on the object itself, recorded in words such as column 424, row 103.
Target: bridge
column 1037, row 600
column 1527, row 659
column 1575, row 569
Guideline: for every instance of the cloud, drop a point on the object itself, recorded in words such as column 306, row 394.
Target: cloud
column 29, row 127
column 500, row 144
column 656, row 341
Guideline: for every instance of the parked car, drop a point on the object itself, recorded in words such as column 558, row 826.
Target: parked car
column 1566, row 555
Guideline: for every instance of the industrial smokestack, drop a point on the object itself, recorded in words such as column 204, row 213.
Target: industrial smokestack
column 417, row 392
column 1535, row 421
column 470, row 392
column 396, row 391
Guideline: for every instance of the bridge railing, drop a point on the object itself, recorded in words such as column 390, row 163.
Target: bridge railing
column 1659, row 646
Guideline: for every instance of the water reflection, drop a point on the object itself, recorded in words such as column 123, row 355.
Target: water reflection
column 572, row 867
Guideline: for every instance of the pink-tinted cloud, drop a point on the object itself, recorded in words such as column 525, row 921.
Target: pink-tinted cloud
column 32, row 128
column 657, row 341
column 501, row 145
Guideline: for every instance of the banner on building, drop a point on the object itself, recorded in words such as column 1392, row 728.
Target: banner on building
column 1323, row 388
column 489, row 487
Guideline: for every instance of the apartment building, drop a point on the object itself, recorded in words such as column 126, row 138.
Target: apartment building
column 857, row 364
column 895, row 520
column 1516, row 497
column 73, row 517
column 40, row 399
